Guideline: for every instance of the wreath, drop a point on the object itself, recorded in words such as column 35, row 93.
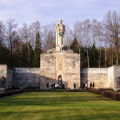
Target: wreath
column 61, row 33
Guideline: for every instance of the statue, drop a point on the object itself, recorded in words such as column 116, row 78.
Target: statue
column 60, row 39
column 60, row 35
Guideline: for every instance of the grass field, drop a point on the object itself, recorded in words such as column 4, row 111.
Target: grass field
column 59, row 105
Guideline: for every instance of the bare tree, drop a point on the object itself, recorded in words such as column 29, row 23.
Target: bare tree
column 99, row 40
column 68, row 36
column 1, row 32
column 111, row 54
column 105, row 54
column 34, row 28
column 49, row 37
column 10, row 34
column 111, row 30
column 94, row 31
column 78, row 32
column 24, row 33
column 25, row 37
column 86, row 30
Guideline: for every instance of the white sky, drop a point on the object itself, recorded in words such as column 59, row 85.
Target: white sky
column 48, row 11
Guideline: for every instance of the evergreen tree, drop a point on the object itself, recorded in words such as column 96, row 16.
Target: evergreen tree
column 74, row 45
column 83, row 57
column 27, row 55
column 37, row 51
column 93, row 56
column 4, row 55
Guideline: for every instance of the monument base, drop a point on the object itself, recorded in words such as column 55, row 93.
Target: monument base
column 66, row 65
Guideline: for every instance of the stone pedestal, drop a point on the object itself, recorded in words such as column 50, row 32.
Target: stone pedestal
column 55, row 64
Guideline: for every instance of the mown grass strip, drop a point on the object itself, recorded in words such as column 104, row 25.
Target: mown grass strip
column 59, row 105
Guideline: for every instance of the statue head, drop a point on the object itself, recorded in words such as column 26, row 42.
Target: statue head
column 60, row 21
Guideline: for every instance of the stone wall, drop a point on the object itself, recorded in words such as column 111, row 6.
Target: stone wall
column 102, row 77
column 9, row 80
column 47, row 70
column 3, row 71
column 7, row 73
column 72, row 70
column 3, row 77
column 26, row 77
column 98, row 76
column 65, row 64
column 116, row 79
column 111, row 77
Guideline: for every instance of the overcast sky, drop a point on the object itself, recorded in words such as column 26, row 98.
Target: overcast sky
column 48, row 11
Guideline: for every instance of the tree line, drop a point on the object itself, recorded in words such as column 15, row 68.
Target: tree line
column 97, row 42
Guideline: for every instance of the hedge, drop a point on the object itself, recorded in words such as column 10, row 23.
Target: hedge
column 12, row 92
column 113, row 95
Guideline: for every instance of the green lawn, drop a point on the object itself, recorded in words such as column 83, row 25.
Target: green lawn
column 59, row 105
